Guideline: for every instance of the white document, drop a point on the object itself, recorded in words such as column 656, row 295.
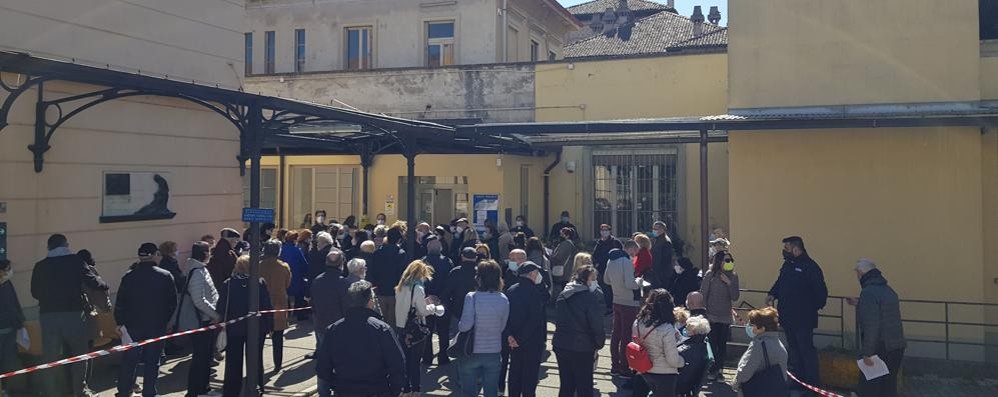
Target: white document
column 878, row 369
column 23, row 339
column 125, row 338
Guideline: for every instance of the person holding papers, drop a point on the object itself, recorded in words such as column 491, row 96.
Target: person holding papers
column 878, row 313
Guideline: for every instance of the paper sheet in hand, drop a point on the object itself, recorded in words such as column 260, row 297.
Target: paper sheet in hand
column 125, row 338
column 23, row 339
column 878, row 369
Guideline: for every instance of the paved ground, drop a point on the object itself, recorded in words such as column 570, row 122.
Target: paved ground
column 297, row 377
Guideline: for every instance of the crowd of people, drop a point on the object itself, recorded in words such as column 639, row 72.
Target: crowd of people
column 485, row 296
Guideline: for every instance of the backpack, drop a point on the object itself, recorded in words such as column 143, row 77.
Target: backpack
column 637, row 356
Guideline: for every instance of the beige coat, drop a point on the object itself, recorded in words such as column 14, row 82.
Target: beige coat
column 277, row 274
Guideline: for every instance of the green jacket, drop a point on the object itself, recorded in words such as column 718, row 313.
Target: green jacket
column 878, row 314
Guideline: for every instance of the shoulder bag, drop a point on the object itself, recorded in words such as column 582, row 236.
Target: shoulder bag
column 463, row 345
column 414, row 331
column 180, row 303
column 766, row 383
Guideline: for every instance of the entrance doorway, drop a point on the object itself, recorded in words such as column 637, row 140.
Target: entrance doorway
column 438, row 199
column 443, row 206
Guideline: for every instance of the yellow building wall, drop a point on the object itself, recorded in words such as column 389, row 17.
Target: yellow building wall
column 667, row 86
column 989, row 181
column 816, row 52
column 911, row 199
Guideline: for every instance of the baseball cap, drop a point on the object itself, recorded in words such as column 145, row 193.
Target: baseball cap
column 148, row 249
column 527, row 267
column 229, row 233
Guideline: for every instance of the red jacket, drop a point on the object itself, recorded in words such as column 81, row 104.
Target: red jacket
column 642, row 262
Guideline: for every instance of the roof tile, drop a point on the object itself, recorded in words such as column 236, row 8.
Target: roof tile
column 596, row 6
column 659, row 33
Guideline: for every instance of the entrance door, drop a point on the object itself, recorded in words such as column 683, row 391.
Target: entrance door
column 443, row 206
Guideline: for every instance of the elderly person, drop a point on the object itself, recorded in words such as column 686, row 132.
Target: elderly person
column 442, row 266
column 317, row 256
column 356, row 270
column 694, row 352
column 198, row 304
column 878, row 313
column 277, row 274
column 763, row 330
column 328, row 292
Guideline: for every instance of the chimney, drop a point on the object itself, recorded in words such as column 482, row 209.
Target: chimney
column 672, row 4
column 624, row 11
column 715, row 15
column 697, row 19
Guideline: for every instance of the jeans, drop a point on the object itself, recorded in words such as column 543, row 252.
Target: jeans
column 277, row 339
column 64, row 334
column 524, row 370
column 483, row 367
column 887, row 385
column 803, row 357
column 202, row 349
column 720, row 334
column 623, row 320
column 149, row 356
column 8, row 356
column 661, row 385
column 441, row 327
column 233, row 384
column 575, row 373
column 413, row 371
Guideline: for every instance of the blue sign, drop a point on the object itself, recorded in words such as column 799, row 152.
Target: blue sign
column 485, row 206
column 261, row 215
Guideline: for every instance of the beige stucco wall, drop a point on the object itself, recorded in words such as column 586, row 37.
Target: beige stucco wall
column 989, row 205
column 186, row 39
column 399, row 30
column 911, row 199
column 813, row 52
column 989, row 76
column 668, row 86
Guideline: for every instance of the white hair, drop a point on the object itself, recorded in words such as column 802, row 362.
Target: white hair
column 697, row 325
column 519, row 253
column 324, row 239
column 355, row 265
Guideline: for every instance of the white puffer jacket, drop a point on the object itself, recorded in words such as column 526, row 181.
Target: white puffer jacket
column 662, row 344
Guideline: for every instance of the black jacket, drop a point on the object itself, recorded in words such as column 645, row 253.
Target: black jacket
column 555, row 234
column 317, row 261
column 579, row 320
column 800, row 291
column 661, row 263
column 329, row 292
column 527, row 320
column 233, row 302
column 694, row 352
column 11, row 315
column 146, row 299
column 460, row 282
column 522, row 229
column 385, row 269
column 57, row 283
column 171, row 265
column 683, row 284
column 441, row 270
column 371, row 364
column 601, row 252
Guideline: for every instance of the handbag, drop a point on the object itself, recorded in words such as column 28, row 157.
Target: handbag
column 636, row 353
column 223, row 340
column 463, row 344
column 766, row 383
column 414, row 332
column 175, row 326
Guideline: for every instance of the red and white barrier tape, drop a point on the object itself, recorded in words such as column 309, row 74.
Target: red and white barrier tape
column 820, row 392
column 121, row 348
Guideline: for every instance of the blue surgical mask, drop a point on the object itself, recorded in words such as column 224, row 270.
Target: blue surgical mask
column 564, row 219
column 512, row 265
column 750, row 332
column 652, row 234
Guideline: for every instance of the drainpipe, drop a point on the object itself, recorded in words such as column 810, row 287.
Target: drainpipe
column 547, row 190
column 505, row 31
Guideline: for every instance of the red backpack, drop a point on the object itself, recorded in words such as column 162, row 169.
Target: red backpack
column 637, row 355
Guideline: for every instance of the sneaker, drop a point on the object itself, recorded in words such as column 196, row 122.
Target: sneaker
column 86, row 392
column 211, row 393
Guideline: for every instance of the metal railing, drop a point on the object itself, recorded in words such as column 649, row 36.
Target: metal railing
column 947, row 322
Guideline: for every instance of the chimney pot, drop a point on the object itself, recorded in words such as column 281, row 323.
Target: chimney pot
column 697, row 19
column 672, row 4
column 715, row 15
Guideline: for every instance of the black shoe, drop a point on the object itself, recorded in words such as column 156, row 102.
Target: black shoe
column 310, row 356
column 441, row 361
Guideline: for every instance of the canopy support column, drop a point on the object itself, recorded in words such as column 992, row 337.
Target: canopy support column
column 366, row 160
column 704, row 215
column 410, row 195
column 255, row 138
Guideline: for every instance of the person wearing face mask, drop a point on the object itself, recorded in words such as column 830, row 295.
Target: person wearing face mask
column 504, row 240
column 662, row 254
column 526, row 329
column 685, row 280
column 601, row 250
column 380, row 219
column 491, row 239
column 620, row 277
column 878, row 314
column 458, row 228
column 763, row 331
column 441, row 266
column 520, row 226
column 223, row 256
column 720, row 289
column 11, row 321
column 320, row 222
column 565, row 222
column 579, row 332
column 655, row 327
column 799, row 292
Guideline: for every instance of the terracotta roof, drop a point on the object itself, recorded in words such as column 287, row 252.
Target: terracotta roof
column 655, row 34
column 596, row 6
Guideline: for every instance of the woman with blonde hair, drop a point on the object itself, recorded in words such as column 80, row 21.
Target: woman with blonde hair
column 484, row 253
column 412, row 306
column 581, row 259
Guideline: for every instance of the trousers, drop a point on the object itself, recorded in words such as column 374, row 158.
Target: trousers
column 661, row 385
column 235, row 346
column 623, row 319
column 887, row 385
column 441, row 327
column 479, row 371
column 575, row 372
column 720, row 334
column 149, row 356
column 202, row 349
column 803, row 357
column 524, row 371
column 64, row 334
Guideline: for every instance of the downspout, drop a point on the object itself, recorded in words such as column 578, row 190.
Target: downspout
column 280, row 175
column 505, row 31
column 547, row 189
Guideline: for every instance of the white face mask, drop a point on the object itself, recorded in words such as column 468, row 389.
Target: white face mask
column 320, row 219
column 593, row 285
column 519, row 223
column 679, row 269
column 460, row 230
column 512, row 265
column 604, row 233
column 7, row 275
column 564, row 219
column 381, row 221
column 538, row 279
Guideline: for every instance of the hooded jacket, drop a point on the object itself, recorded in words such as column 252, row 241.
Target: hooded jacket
column 505, row 241
column 57, row 281
column 619, row 276
column 878, row 314
column 579, row 319
column 694, row 353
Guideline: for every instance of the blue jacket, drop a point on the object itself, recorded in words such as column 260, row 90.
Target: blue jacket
column 233, row 302
column 800, row 292
column 146, row 299
column 601, row 252
column 292, row 255
column 385, row 269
